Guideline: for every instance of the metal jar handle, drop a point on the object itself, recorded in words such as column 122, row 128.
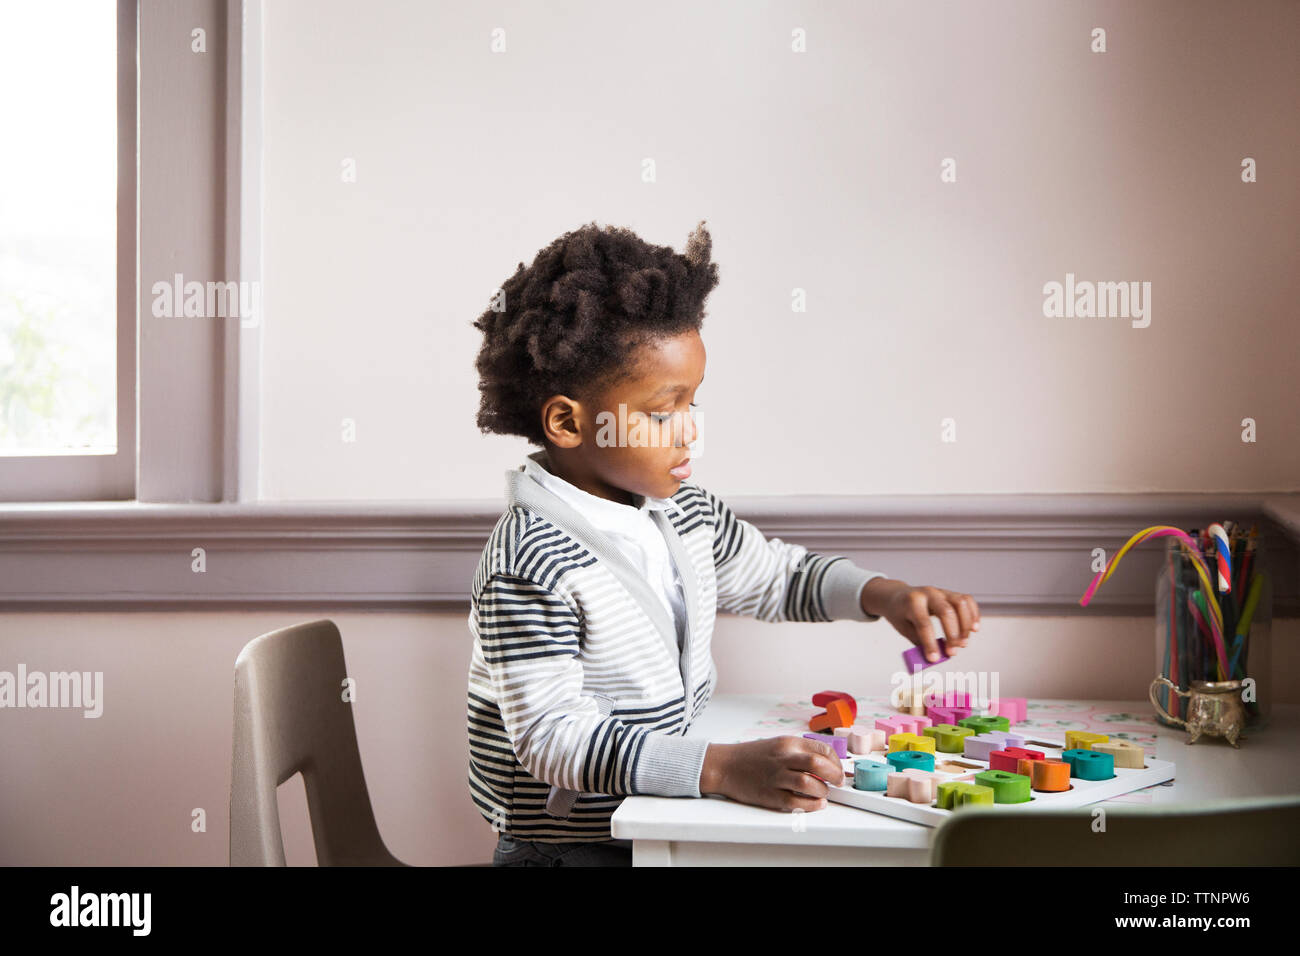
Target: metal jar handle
column 1151, row 692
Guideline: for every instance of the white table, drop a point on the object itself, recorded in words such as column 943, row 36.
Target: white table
column 716, row 831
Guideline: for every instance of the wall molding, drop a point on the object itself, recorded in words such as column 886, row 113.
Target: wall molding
column 1018, row 554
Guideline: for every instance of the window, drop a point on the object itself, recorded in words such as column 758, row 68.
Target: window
column 67, row 261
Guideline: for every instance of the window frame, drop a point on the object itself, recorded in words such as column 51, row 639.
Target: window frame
column 189, row 201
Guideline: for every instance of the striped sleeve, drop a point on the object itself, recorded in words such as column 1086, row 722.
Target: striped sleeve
column 529, row 637
column 772, row 580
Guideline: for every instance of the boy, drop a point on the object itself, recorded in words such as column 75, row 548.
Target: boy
column 592, row 608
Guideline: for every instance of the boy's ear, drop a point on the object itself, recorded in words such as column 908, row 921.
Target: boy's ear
column 560, row 421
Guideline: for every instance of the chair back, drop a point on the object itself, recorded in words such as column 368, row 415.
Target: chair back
column 291, row 716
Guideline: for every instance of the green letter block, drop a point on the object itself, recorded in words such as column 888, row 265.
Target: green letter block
column 959, row 793
column 948, row 737
column 983, row 723
column 1007, row 787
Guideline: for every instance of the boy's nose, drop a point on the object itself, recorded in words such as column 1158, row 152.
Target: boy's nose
column 692, row 430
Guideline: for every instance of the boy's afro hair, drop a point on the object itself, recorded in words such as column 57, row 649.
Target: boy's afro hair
column 572, row 321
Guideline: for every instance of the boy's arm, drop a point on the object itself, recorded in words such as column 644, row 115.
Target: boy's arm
column 772, row 580
column 529, row 639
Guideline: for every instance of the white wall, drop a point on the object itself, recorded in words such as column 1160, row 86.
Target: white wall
column 819, row 171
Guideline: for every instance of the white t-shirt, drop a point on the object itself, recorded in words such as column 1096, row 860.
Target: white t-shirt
column 634, row 532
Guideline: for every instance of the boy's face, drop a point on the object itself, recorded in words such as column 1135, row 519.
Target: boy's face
column 615, row 454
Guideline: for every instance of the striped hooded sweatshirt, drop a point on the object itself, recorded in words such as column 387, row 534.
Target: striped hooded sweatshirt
column 579, row 694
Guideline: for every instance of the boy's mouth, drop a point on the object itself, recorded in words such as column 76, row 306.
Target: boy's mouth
column 682, row 471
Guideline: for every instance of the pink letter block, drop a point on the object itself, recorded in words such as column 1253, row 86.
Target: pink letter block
column 916, row 786
column 1013, row 709
column 863, row 741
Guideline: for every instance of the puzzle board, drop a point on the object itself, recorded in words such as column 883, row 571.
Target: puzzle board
column 1044, row 729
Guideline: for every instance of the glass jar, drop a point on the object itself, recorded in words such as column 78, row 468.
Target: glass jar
column 1185, row 647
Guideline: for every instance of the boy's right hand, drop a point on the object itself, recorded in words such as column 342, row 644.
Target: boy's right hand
column 780, row 773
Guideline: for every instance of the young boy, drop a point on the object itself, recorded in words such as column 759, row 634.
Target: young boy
column 593, row 605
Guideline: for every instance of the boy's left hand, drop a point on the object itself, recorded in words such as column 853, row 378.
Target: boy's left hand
column 909, row 609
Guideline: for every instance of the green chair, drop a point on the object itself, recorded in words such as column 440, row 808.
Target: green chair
column 1256, row 831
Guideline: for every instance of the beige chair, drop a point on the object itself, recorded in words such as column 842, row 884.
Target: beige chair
column 289, row 717
column 1259, row 831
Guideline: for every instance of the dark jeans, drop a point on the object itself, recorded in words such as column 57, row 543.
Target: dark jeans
column 512, row 852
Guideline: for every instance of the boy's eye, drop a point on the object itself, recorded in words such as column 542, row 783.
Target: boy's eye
column 664, row 416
